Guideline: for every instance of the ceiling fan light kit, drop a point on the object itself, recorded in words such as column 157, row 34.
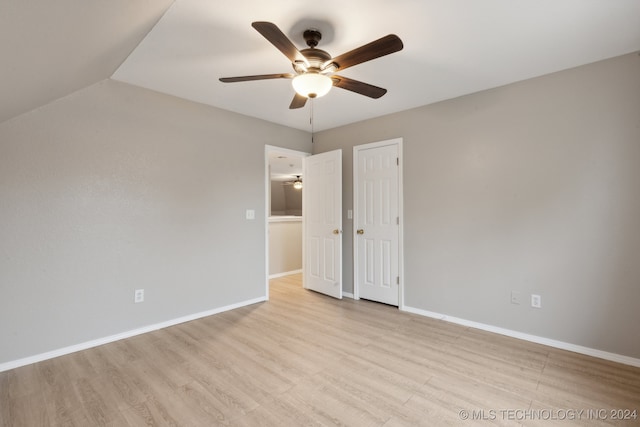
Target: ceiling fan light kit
column 297, row 184
column 314, row 67
column 312, row 85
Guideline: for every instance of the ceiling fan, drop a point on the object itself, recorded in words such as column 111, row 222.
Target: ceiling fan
column 314, row 68
column 297, row 183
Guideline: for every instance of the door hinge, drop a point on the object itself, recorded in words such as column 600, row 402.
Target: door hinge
column 397, row 220
column 397, row 280
column 398, row 161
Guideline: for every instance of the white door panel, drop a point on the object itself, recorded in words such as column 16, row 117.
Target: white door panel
column 377, row 221
column 322, row 223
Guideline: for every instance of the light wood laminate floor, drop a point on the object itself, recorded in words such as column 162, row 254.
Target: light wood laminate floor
column 306, row 359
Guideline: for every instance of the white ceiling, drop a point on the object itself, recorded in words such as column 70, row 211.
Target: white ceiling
column 50, row 49
column 284, row 166
column 451, row 48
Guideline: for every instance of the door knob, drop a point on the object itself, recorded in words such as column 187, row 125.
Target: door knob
column 336, row 231
column 360, row 231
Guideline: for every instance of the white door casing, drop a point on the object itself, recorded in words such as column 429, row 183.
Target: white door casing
column 322, row 223
column 377, row 222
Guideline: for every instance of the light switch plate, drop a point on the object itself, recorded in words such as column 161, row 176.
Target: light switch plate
column 138, row 296
column 536, row 301
column 250, row 214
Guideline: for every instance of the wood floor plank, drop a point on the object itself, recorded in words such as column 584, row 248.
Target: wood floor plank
column 28, row 411
column 454, row 392
column 281, row 410
column 147, row 414
column 332, row 404
column 306, row 359
column 503, row 349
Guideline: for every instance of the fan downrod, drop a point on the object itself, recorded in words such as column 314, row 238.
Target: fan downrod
column 312, row 37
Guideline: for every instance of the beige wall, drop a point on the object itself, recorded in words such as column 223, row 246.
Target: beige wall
column 285, row 246
column 278, row 201
column 115, row 188
column 285, row 200
column 532, row 187
column 293, row 200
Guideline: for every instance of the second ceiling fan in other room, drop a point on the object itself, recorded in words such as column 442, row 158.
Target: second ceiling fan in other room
column 314, row 68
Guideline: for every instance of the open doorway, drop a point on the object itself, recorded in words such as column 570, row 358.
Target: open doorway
column 284, row 184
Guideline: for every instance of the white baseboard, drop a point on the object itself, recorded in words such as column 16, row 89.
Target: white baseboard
column 489, row 328
column 528, row 337
column 286, row 273
column 111, row 338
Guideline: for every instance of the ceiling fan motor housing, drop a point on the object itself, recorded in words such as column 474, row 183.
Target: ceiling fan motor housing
column 315, row 58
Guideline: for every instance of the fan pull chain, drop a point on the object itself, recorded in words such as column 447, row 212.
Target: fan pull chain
column 311, row 120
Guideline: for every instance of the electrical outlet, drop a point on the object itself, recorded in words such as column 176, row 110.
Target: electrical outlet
column 250, row 214
column 536, row 301
column 138, row 296
column 516, row 297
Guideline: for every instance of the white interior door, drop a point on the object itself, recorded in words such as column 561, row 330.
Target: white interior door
column 322, row 223
column 377, row 222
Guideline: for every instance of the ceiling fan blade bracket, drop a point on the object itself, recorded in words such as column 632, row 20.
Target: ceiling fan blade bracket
column 330, row 67
column 300, row 66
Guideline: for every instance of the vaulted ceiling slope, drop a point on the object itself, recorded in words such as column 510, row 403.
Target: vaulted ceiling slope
column 50, row 49
column 452, row 47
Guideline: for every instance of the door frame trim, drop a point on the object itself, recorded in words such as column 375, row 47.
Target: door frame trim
column 356, row 153
column 267, row 203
